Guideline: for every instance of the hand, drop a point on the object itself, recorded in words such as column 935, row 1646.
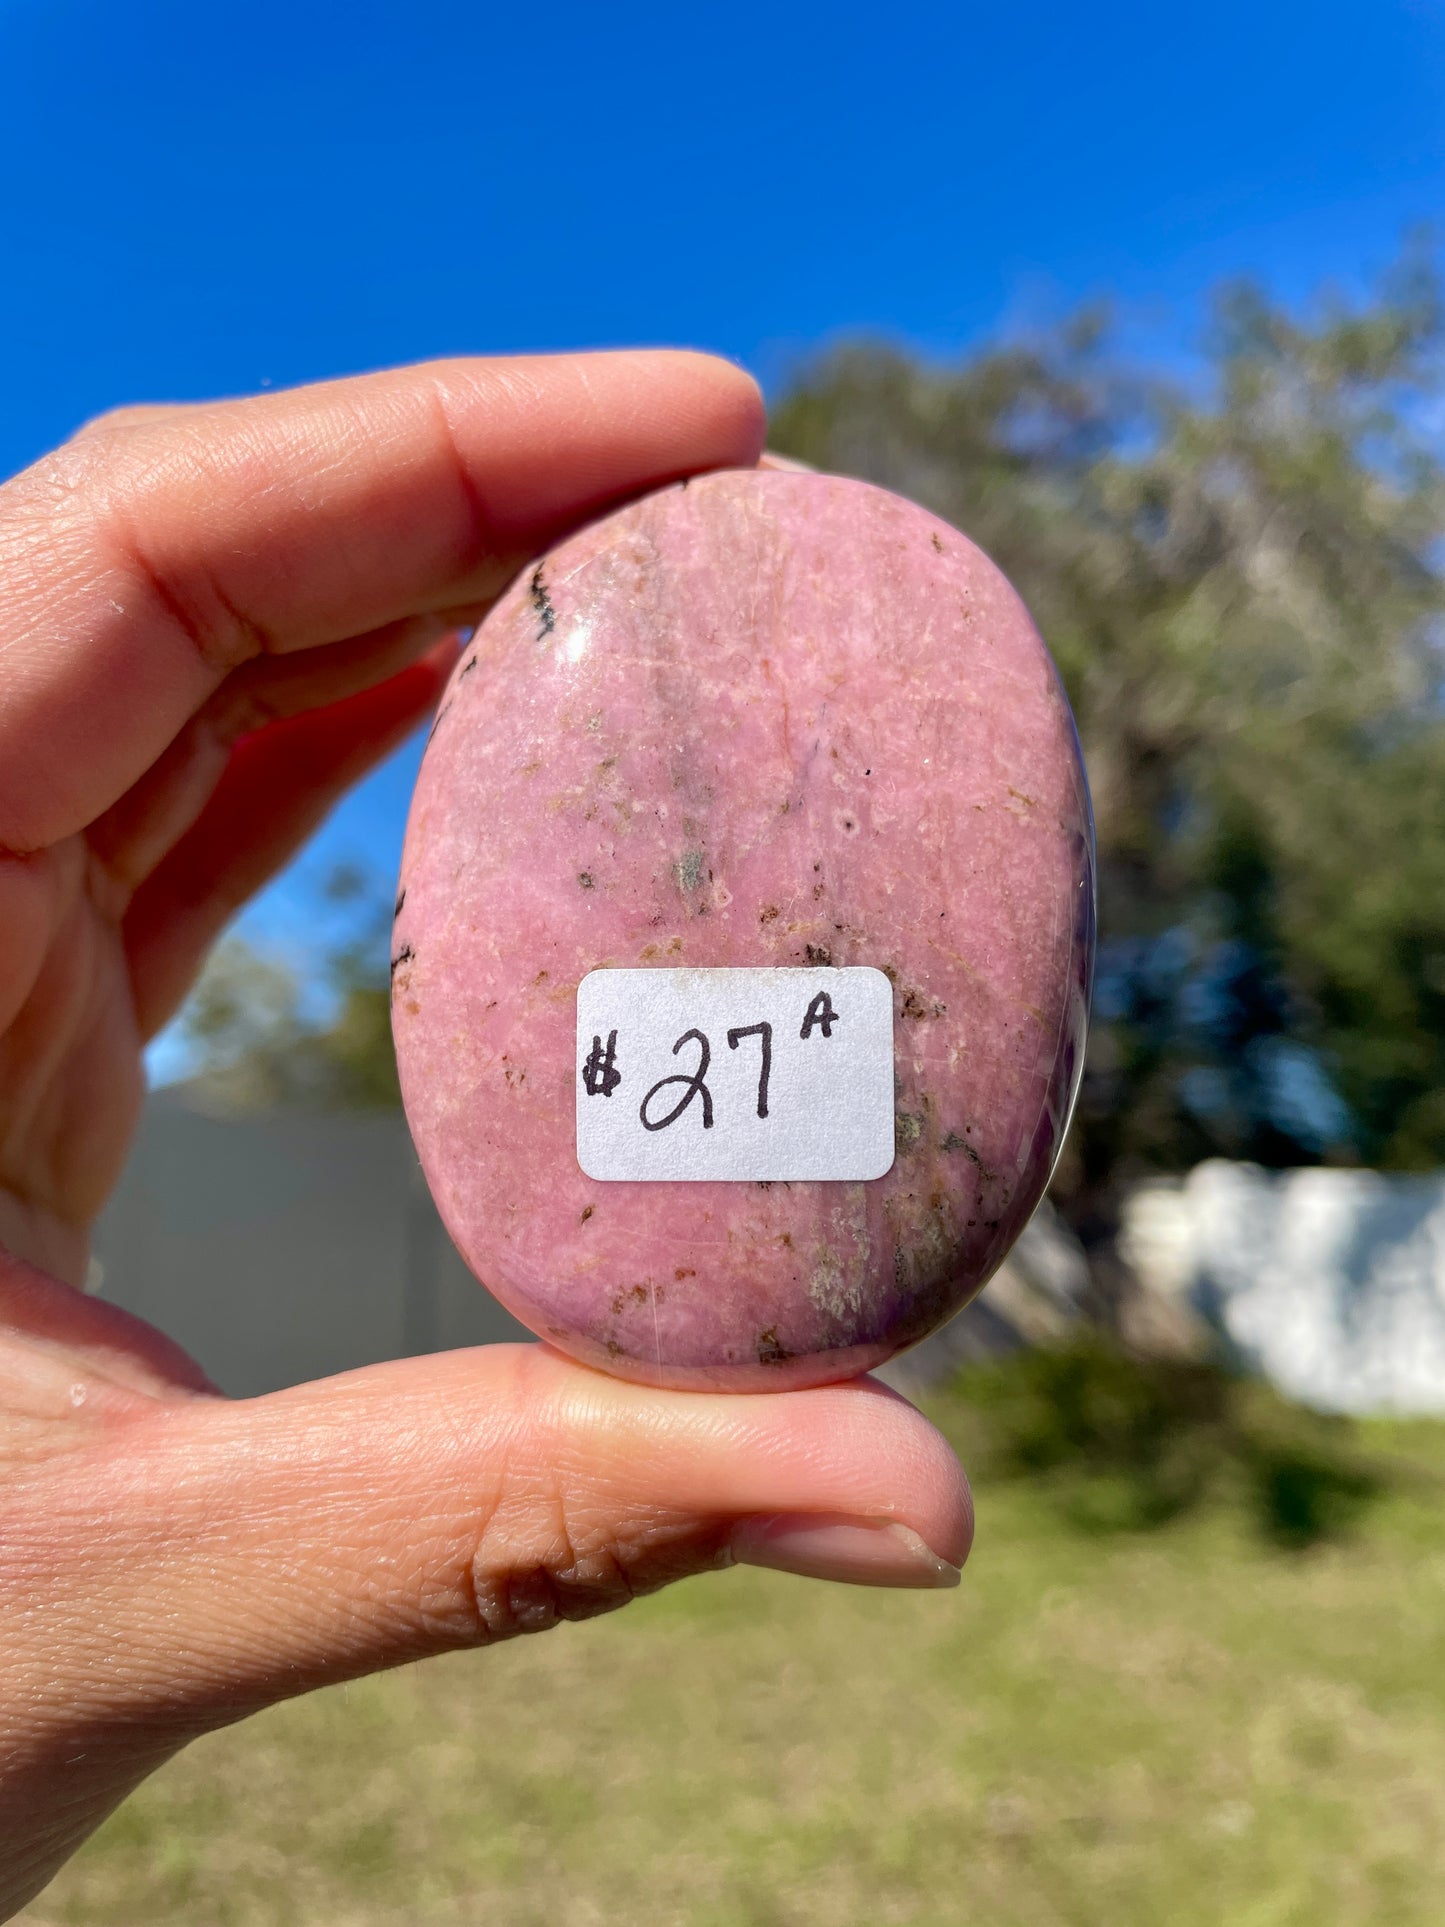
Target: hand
column 212, row 621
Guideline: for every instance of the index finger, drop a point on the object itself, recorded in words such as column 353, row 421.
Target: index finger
column 137, row 569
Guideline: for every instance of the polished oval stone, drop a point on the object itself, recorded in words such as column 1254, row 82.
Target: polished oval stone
column 761, row 718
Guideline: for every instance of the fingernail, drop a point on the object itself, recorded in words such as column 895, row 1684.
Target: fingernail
column 788, row 464
column 857, row 1552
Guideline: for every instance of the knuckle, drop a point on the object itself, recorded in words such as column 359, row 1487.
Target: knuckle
column 60, row 483
column 555, row 1533
column 116, row 421
column 116, row 493
column 581, row 1572
column 563, row 1574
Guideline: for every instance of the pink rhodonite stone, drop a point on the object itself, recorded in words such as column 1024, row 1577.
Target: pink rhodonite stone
column 762, row 718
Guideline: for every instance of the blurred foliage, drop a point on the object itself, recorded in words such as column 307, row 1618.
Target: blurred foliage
column 1241, row 581
column 258, row 1041
column 1123, row 1444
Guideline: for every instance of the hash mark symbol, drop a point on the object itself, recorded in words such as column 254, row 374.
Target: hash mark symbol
column 600, row 1075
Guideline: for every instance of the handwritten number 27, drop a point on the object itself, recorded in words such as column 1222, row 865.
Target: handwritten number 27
column 601, row 1077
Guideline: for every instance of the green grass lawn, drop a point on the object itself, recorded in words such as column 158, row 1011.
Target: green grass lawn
column 1195, row 1674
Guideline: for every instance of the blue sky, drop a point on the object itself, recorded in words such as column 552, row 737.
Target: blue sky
column 201, row 199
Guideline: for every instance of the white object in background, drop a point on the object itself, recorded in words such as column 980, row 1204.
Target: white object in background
column 1330, row 1283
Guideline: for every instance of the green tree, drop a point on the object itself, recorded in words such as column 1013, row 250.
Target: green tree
column 259, row 1037
column 1241, row 580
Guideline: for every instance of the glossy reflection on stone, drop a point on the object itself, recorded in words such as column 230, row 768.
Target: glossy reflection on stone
column 758, row 718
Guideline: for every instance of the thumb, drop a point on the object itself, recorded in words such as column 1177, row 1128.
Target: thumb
column 256, row 1549
column 195, row 1558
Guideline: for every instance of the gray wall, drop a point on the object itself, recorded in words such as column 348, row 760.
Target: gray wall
column 282, row 1248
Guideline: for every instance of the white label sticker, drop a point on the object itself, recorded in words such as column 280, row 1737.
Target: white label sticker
column 756, row 1074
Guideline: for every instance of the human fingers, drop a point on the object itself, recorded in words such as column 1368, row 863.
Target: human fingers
column 138, row 830
column 241, row 1552
column 138, row 414
column 139, row 567
column 278, row 785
